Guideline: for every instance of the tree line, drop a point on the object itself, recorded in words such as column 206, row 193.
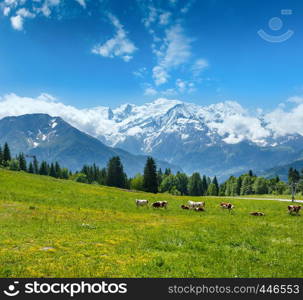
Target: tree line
column 155, row 180
column 19, row 163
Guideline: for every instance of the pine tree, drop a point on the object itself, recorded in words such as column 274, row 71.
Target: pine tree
column 44, row 168
column 137, row 183
column 160, row 177
column 22, row 162
column 293, row 180
column 13, row 165
column 182, row 183
column 150, row 180
column 64, row 173
column 52, row 171
column 231, row 186
column 195, row 187
column 246, row 188
column 167, row 171
column 260, row 186
column 222, row 189
column 238, row 187
column 6, row 154
column 212, row 190
column 102, row 176
column 58, row 170
column 1, row 156
column 36, row 165
column 293, row 176
column 31, row 168
column 215, row 182
column 204, row 185
column 115, row 173
column 168, row 183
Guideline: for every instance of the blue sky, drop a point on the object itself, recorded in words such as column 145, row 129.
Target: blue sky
column 88, row 53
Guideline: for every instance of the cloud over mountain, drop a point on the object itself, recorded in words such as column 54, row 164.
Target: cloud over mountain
column 229, row 120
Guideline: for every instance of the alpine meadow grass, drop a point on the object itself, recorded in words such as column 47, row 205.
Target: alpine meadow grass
column 60, row 228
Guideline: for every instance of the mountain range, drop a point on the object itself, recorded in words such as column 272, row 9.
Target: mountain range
column 52, row 139
column 220, row 139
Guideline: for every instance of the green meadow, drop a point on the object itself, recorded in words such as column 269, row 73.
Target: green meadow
column 60, row 228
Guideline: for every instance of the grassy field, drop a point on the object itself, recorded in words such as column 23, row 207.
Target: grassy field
column 57, row 228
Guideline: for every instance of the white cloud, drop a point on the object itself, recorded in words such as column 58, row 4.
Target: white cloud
column 175, row 51
column 6, row 11
column 13, row 3
column 187, row 6
column 119, row 45
column 82, row 3
column 45, row 9
column 152, row 16
column 169, row 93
column 17, row 22
column 239, row 127
column 150, row 92
column 47, row 97
column 160, row 75
column 199, row 66
column 91, row 121
column 178, row 47
column 141, row 72
column 164, row 18
column 184, row 86
column 283, row 122
column 181, row 85
column 53, row 2
column 23, row 12
column 295, row 99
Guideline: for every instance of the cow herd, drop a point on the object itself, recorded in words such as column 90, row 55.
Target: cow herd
column 200, row 206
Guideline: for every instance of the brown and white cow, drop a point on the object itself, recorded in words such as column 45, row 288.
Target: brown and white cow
column 141, row 202
column 184, row 207
column 294, row 209
column 257, row 213
column 226, row 205
column 193, row 204
column 199, row 209
column 159, row 204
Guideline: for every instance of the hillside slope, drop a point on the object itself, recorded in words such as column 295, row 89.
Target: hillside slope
column 52, row 139
column 59, row 228
column 282, row 171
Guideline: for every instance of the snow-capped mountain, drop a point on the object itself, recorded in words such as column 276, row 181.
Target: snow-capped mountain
column 219, row 139
column 190, row 123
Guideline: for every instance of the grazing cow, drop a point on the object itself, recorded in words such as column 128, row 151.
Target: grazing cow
column 141, row 202
column 226, row 205
column 159, row 204
column 257, row 213
column 294, row 209
column 199, row 209
column 184, row 207
column 193, row 204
